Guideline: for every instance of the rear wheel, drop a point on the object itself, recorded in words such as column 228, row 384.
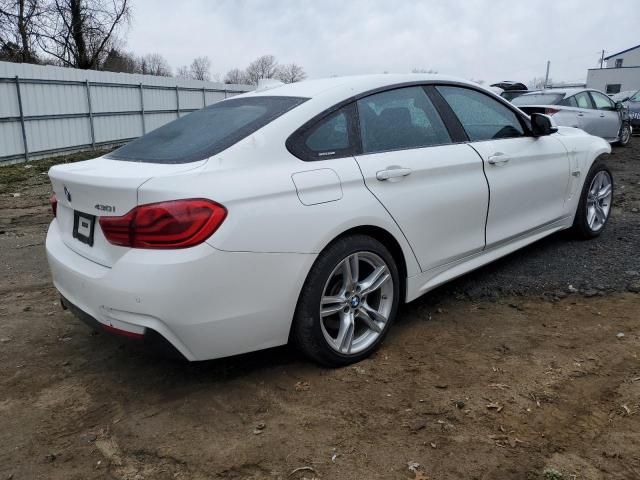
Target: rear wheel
column 595, row 202
column 348, row 302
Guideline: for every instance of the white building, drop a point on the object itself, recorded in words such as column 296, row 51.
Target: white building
column 621, row 73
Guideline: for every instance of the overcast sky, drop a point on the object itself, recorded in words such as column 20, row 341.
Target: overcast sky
column 487, row 40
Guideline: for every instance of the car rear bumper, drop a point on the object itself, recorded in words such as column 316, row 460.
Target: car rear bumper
column 150, row 339
column 205, row 302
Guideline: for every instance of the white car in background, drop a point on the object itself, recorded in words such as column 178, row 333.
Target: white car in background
column 309, row 212
column 588, row 109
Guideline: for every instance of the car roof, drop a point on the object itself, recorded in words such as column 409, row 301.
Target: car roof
column 566, row 91
column 349, row 86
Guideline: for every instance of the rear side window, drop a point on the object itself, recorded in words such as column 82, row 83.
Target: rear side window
column 400, row 119
column 569, row 102
column 539, row 99
column 482, row 117
column 206, row 132
column 330, row 134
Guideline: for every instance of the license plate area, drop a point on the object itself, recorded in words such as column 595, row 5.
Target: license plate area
column 83, row 227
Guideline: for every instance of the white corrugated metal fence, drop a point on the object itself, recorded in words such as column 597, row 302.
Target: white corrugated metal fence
column 46, row 110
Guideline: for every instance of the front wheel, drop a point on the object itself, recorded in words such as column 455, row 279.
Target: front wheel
column 596, row 198
column 625, row 135
column 348, row 302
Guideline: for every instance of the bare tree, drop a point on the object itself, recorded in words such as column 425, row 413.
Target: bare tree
column 18, row 29
column 235, row 76
column 291, row 73
column 183, row 72
column 422, row 70
column 119, row 61
column 265, row 66
column 201, row 68
column 80, row 33
column 154, row 64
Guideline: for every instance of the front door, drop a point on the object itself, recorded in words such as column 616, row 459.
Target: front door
column 608, row 119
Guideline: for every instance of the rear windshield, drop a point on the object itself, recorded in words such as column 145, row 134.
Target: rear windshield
column 206, row 132
column 539, row 99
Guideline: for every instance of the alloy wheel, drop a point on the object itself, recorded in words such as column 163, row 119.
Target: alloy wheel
column 599, row 200
column 356, row 302
column 625, row 135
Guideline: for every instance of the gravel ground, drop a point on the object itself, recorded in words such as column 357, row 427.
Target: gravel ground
column 500, row 374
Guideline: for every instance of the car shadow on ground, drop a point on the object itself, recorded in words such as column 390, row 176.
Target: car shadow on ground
column 124, row 358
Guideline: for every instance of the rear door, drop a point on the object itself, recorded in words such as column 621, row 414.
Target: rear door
column 434, row 189
column 608, row 125
column 588, row 117
column 528, row 177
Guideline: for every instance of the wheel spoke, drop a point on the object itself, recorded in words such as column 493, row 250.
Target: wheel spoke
column 354, row 262
column 331, row 305
column 600, row 215
column 591, row 216
column 604, row 192
column 375, row 280
column 350, row 271
column 344, row 339
column 372, row 317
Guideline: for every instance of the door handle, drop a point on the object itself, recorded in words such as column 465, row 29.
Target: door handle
column 498, row 159
column 392, row 172
column 581, row 114
column 602, row 115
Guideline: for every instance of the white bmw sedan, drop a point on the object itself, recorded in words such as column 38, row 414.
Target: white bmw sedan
column 309, row 212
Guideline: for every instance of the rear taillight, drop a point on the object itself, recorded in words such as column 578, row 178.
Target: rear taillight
column 174, row 224
column 53, row 200
column 550, row 111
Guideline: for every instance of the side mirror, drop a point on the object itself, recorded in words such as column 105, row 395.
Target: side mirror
column 541, row 125
column 619, row 106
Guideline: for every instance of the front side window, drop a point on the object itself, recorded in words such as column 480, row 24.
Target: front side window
column 206, row 132
column 602, row 102
column 583, row 100
column 400, row 119
column 482, row 117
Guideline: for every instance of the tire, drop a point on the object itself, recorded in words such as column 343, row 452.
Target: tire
column 625, row 135
column 351, row 326
column 584, row 224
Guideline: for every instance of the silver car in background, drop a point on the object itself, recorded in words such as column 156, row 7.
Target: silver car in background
column 590, row 110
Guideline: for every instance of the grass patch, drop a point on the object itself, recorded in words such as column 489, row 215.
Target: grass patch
column 552, row 474
column 12, row 175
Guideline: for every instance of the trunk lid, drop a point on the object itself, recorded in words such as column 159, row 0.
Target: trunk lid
column 99, row 187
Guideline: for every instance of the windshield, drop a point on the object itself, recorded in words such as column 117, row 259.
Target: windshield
column 206, row 132
column 539, row 99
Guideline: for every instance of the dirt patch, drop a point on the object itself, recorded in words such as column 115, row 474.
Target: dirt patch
column 486, row 378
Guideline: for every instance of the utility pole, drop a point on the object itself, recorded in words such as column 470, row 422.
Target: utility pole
column 546, row 78
column 602, row 59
